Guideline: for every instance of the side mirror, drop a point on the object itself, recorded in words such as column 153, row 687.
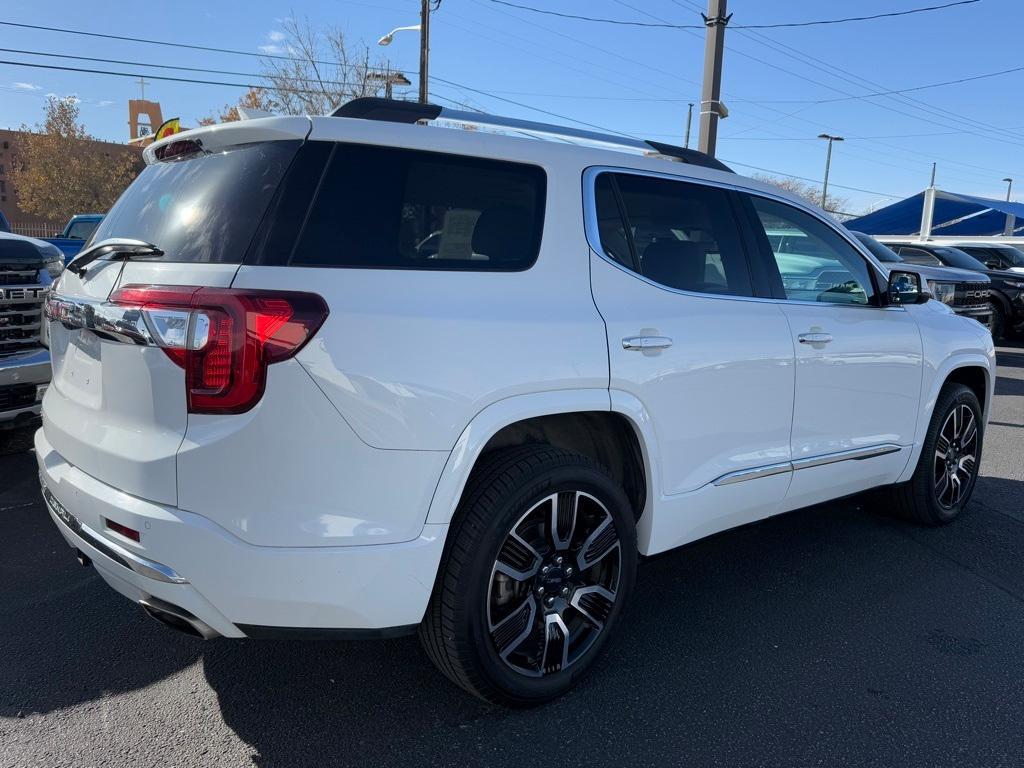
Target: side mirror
column 906, row 288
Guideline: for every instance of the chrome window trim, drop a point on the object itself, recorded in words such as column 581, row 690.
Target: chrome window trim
column 593, row 236
column 769, row 470
column 112, row 551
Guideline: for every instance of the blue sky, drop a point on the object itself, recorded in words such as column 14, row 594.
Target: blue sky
column 627, row 79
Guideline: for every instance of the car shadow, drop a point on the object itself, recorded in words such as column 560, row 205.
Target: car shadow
column 807, row 638
column 67, row 638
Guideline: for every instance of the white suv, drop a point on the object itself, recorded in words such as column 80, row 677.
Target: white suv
column 373, row 372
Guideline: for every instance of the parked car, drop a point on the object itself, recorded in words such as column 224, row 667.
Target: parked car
column 272, row 414
column 967, row 292
column 27, row 269
column 1007, row 288
column 5, row 226
column 998, row 256
column 76, row 233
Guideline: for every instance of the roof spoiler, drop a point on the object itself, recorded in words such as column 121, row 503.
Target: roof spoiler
column 393, row 111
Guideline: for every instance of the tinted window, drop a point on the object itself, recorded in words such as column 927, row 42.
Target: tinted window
column 678, row 234
column 954, row 257
column 205, row 207
column 881, row 252
column 917, row 256
column 382, row 207
column 815, row 263
column 81, row 230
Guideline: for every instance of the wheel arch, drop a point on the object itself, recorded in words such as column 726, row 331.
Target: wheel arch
column 582, row 421
column 974, row 370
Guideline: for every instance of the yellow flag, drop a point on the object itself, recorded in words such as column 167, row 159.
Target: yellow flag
column 168, row 128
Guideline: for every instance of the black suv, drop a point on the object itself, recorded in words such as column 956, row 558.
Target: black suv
column 965, row 291
column 996, row 255
column 1007, row 288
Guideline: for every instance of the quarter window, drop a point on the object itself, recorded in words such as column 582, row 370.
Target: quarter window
column 815, row 263
column 675, row 233
column 381, row 207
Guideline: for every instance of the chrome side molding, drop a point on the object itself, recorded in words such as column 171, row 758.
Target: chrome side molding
column 768, row 470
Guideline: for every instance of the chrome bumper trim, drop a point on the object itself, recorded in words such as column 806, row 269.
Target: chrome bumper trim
column 114, row 552
column 769, row 470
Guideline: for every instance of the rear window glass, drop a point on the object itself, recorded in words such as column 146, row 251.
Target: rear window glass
column 204, row 207
column 381, row 207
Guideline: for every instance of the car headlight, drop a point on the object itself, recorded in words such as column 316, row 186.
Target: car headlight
column 943, row 292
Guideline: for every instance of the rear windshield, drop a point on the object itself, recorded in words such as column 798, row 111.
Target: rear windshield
column 202, row 208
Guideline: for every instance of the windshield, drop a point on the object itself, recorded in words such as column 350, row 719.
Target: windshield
column 954, row 257
column 878, row 250
column 202, row 208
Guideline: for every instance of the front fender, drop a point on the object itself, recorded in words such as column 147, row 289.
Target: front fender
column 932, row 386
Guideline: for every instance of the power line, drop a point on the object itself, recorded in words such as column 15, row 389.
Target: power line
column 667, row 25
column 804, row 178
column 181, row 68
column 232, row 51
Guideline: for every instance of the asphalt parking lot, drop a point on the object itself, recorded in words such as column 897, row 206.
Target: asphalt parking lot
column 829, row 636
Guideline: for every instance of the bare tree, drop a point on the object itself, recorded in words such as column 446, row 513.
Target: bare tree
column 317, row 70
column 809, row 192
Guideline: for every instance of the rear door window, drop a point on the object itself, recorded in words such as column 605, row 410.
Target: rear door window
column 678, row 234
column 383, row 207
column 204, row 207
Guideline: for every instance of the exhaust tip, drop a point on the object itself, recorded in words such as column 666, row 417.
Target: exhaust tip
column 83, row 559
column 176, row 617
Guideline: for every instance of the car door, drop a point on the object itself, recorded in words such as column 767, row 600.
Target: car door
column 858, row 363
column 709, row 362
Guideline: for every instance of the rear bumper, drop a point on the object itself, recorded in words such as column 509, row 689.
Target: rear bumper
column 186, row 561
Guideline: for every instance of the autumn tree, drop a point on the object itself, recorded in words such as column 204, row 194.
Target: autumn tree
column 61, row 170
column 318, row 70
column 809, row 192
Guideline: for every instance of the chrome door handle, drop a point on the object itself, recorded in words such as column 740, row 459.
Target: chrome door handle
column 814, row 338
column 646, row 342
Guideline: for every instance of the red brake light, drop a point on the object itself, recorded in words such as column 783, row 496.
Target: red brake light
column 225, row 338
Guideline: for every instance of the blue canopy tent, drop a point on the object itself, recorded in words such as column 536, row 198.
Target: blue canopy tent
column 953, row 214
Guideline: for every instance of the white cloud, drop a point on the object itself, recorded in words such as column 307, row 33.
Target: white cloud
column 274, row 36
column 270, row 49
column 27, row 86
column 104, row 103
column 272, row 46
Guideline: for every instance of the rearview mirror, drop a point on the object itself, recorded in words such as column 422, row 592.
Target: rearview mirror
column 905, row 288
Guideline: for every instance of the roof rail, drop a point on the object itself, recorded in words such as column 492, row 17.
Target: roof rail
column 393, row 111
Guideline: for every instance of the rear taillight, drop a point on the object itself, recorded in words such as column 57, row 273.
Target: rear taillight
column 225, row 338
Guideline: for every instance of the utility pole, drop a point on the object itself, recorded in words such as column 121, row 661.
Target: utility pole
column 933, row 176
column 828, row 163
column 689, row 122
column 424, row 49
column 142, row 87
column 711, row 108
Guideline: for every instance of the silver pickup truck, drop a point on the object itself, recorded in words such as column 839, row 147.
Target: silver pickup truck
column 28, row 267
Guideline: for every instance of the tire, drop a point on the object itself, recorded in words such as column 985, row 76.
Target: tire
column 924, row 498
column 494, row 634
column 998, row 323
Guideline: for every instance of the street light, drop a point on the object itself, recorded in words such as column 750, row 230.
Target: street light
column 424, row 29
column 1009, row 187
column 386, row 40
column 828, row 162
